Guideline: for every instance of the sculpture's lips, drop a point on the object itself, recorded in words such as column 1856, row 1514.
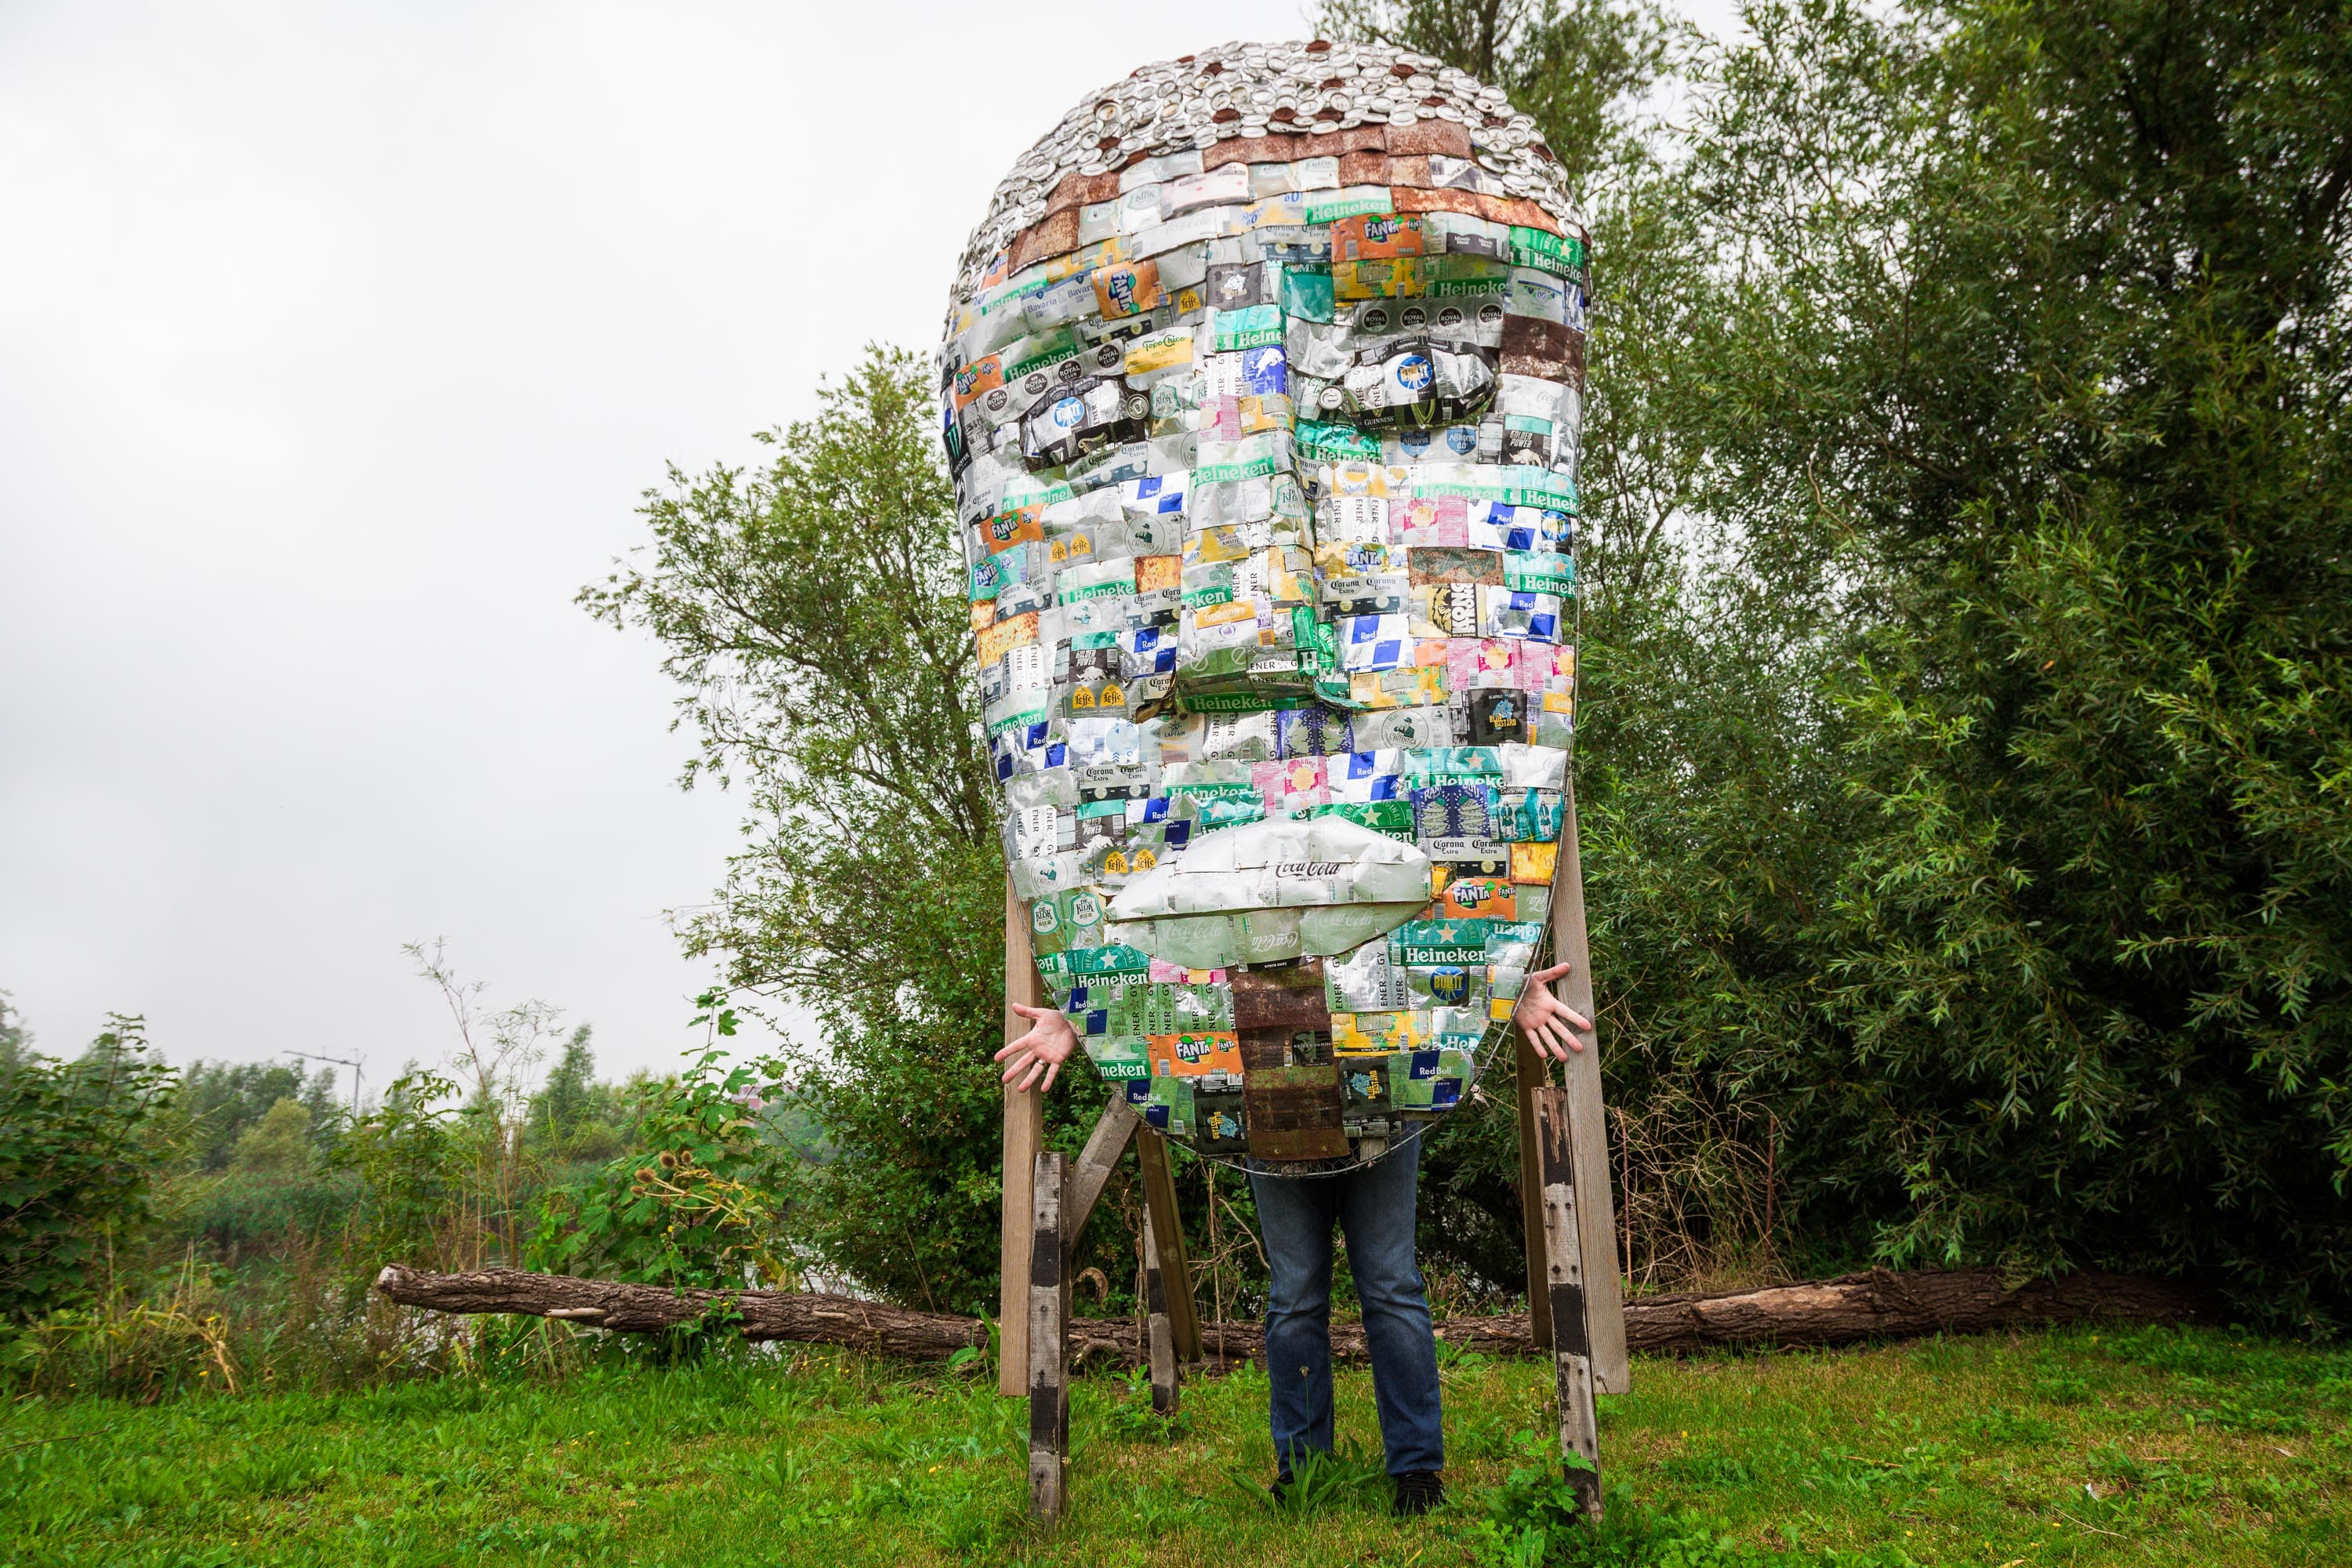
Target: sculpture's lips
column 1272, row 890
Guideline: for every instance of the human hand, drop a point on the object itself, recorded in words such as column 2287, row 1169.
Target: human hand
column 1041, row 1051
column 1547, row 1022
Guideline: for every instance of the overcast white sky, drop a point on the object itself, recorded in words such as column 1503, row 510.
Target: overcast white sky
column 336, row 344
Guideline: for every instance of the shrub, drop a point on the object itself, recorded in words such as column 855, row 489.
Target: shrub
column 79, row 1145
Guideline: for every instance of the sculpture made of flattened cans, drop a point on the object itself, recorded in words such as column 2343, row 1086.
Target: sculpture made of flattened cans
column 1261, row 390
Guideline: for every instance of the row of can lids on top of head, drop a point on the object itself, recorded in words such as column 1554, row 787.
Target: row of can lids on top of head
column 1258, row 91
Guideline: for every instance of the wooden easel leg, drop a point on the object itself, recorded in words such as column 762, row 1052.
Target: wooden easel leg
column 1167, row 1227
column 1049, row 1351
column 1588, row 1124
column 1025, row 1131
column 1162, row 1337
column 1532, row 1076
column 1105, row 1144
column 1579, row 1429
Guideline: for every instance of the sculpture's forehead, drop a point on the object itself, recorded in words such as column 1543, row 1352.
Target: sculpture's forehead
column 1241, row 104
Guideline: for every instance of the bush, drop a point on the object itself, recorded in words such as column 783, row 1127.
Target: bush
column 80, row 1145
column 702, row 1200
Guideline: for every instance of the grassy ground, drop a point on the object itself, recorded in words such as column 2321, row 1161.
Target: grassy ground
column 2060, row 1449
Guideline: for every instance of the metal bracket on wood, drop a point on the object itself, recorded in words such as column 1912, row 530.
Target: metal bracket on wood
column 1580, row 1431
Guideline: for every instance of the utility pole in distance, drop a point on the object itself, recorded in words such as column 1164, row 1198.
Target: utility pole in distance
column 340, row 1061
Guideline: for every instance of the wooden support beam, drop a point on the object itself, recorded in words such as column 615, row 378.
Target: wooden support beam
column 1532, row 1076
column 1160, row 1338
column 1105, row 1144
column 1024, row 1132
column 1588, row 1122
column 1167, row 1228
column 1049, row 1351
column 1579, row 1430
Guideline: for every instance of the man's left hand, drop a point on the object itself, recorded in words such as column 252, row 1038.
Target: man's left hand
column 1547, row 1022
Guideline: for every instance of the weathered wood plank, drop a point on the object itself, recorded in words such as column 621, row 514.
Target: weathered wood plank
column 1175, row 1264
column 1049, row 1352
column 1532, row 1075
column 1587, row 1121
column 1580, row 1428
column 1105, row 1144
column 1161, row 1337
column 1025, row 1131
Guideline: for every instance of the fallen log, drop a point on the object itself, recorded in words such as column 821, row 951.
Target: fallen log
column 1885, row 1304
column 652, row 1309
column 1848, row 1309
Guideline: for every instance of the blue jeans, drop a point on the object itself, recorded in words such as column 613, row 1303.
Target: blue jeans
column 1373, row 1206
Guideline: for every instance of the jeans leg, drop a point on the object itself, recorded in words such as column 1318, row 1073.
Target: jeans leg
column 1295, row 1222
column 1376, row 1211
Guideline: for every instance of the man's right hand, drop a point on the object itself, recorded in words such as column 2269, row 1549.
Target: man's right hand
column 1545, row 1022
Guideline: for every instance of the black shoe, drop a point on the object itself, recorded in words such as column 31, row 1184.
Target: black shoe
column 1279, row 1491
column 1418, row 1491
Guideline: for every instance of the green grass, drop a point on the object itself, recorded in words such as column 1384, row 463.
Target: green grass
column 2058, row 1448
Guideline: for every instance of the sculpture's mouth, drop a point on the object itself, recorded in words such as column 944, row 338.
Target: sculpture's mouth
column 1272, row 890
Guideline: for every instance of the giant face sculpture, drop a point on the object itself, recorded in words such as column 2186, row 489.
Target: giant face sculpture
column 1260, row 391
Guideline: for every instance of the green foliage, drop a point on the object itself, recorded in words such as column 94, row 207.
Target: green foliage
column 910, row 1209
column 700, row 1201
column 2077, row 430
column 220, row 1101
column 1346, row 1477
column 573, row 1117
column 278, row 1145
column 16, row 1040
column 79, row 1145
column 407, row 1155
column 1574, row 65
column 751, row 1457
column 1964, row 739
column 813, row 612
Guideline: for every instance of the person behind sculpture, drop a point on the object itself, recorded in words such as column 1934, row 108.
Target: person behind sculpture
column 1373, row 1205
column 1260, row 391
